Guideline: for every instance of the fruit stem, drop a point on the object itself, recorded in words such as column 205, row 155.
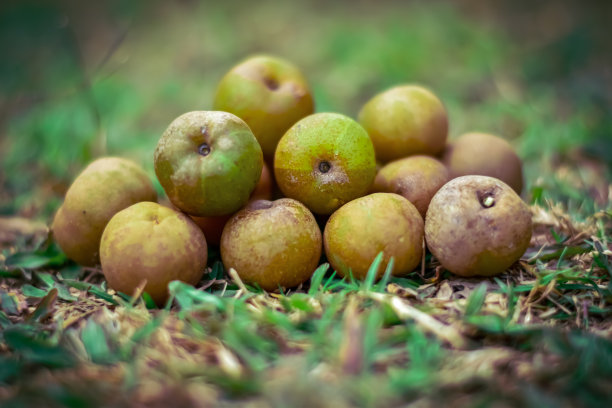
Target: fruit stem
column 204, row 149
column 324, row 166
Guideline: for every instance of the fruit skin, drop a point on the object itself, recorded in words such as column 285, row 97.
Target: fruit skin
column 196, row 180
column 484, row 154
column 104, row 187
column 212, row 227
column 269, row 93
column 322, row 138
column 263, row 189
column 360, row 229
column 469, row 238
column 152, row 242
column 272, row 243
column 417, row 178
column 405, row 120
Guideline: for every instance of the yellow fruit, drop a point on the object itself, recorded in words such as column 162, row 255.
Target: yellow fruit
column 404, row 121
column 148, row 241
column 272, row 243
column 360, row 229
column 269, row 93
column 105, row 187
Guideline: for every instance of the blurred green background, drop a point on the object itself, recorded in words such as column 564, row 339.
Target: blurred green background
column 80, row 80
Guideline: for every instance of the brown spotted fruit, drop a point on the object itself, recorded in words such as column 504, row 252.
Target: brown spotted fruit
column 208, row 163
column 405, row 120
column 485, row 155
column 477, row 225
column 360, row 229
column 272, row 243
column 325, row 160
column 212, row 226
column 417, row 178
column 152, row 243
column 269, row 93
column 103, row 188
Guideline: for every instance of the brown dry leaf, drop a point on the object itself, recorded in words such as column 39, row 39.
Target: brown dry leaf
column 445, row 291
column 463, row 287
column 395, row 289
column 558, row 219
column 290, row 383
column 427, row 290
column 466, row 366
column 162, row 394
column 13, row 228
column 495, row 303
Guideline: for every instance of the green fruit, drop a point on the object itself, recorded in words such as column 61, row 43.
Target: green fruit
column 270, row 94
column 148, row 241
column 416, row 178
column 103, row 188
column 200, row 155
column 324, row 161
column 485, row 155
column 477, row 225
column 360, row 229
column 272, row 243
column 403, row 121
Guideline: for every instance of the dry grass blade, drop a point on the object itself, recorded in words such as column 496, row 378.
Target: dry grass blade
column 351, row 350
column 234, row 275
column 405, row 311
column 228, row 362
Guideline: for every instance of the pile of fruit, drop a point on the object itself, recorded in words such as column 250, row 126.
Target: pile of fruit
column 386, row 183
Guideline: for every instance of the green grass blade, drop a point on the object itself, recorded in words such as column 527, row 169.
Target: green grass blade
column 476, row 300
column 380, row 287
column 326, row 286
column 372, row 273
column 96, row 344
column 317, row 278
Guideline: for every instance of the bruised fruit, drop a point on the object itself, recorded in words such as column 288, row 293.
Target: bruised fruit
column 200, row 155
column 477, row 225
column 324, row 161
column 152, row 243
column 417, row 178
column 270, row 94
column 360, row 229
column 103, row 188
column 272, row 243
column 212, row 226
column 485, row 155
column 405, row 120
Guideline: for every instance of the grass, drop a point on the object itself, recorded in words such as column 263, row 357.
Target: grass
column 537, row 335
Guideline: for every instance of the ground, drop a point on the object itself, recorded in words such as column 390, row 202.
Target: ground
column 78, row 83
